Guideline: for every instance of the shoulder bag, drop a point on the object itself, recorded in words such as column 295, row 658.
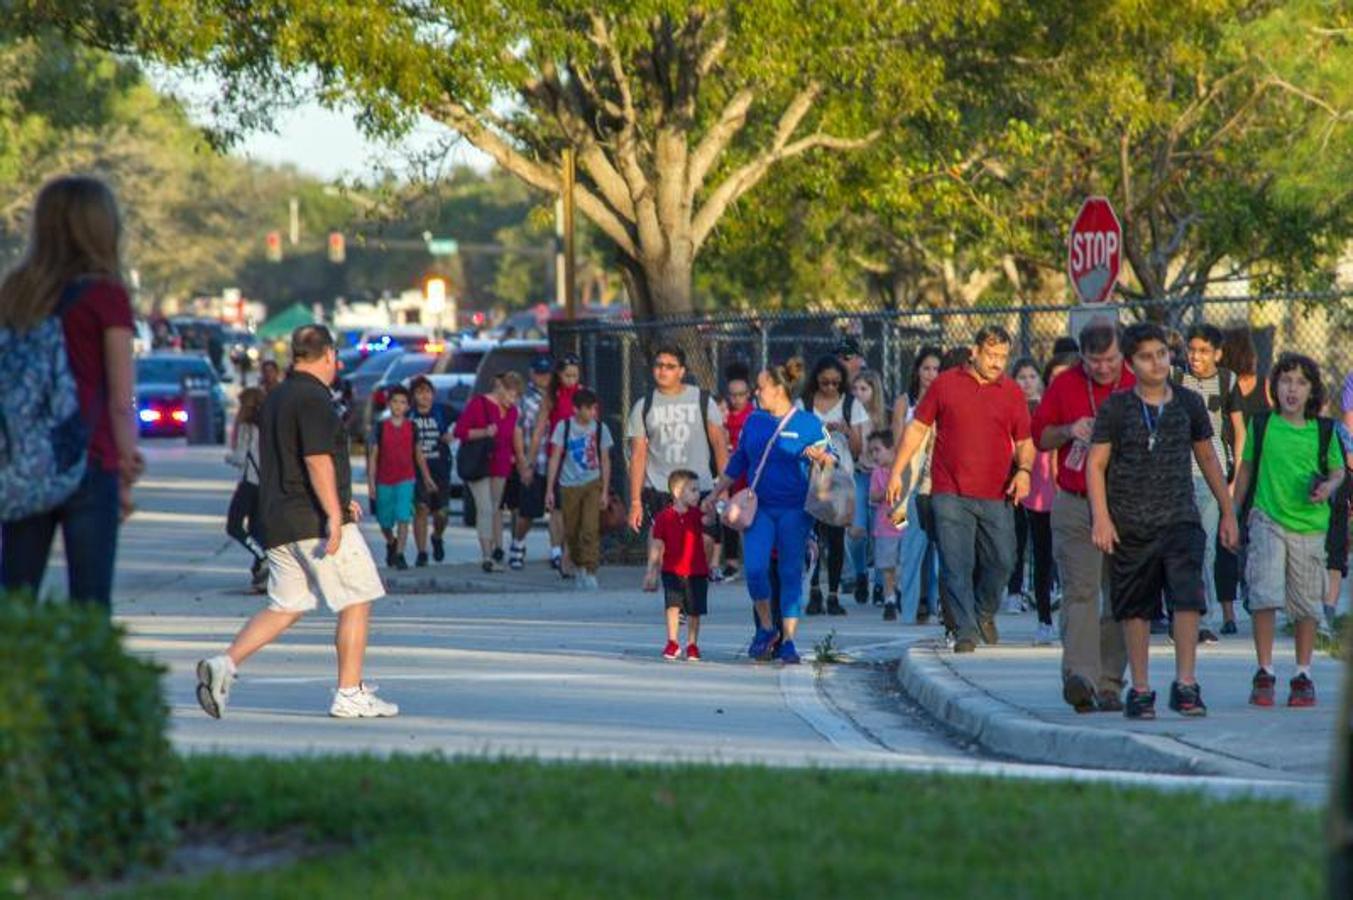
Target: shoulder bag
column 741, row 509
column 474, row 458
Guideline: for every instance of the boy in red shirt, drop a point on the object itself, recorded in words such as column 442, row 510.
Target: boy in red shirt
column 393, row 462
column 677, row 547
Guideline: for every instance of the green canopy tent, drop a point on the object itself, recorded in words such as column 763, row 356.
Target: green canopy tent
column 285, row 322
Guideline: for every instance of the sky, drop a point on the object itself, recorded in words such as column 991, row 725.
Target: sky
column 322, row 142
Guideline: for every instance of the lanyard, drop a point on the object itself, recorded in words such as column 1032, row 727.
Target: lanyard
column 1152, row 422
column 1090, row 389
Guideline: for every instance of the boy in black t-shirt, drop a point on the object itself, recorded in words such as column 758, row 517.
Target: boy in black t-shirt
column 1140, row 483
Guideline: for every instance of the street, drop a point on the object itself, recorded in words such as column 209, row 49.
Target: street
column 541, row 671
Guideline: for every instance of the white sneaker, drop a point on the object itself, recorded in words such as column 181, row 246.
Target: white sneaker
column 592, row 583
column 1045, row 634
column 361, row 704
column 1014, row 603
column 214, row 677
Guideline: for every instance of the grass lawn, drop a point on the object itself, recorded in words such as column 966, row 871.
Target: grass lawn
column 426, row 827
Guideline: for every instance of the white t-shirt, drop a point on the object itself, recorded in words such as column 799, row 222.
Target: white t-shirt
column 859, row 416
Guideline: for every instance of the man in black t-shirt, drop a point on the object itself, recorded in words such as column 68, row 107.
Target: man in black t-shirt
column 315, row 551
column 1140, row 483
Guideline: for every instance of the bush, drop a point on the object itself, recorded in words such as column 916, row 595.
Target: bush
column 86, row 769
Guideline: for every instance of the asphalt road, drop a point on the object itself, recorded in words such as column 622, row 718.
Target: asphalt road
column 546, row 671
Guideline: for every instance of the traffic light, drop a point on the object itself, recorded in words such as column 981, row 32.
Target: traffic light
column 274, row 246
column 337, row 247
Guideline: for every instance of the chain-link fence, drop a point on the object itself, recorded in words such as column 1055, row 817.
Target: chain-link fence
column 615, row 354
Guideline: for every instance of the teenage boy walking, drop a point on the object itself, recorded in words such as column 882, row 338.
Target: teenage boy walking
column 394, row 462
column 581, row 465
column 315, row 550
column 1139, row 481
column 1093, row 655
column 1294, row 463
column 532, row 460
column 1220, row 393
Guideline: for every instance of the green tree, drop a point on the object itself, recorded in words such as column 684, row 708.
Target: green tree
column 675, row 111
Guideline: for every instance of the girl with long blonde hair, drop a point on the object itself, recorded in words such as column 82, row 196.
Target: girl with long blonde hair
column 71, row 268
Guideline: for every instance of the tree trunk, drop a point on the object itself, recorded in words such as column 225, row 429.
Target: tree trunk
column 661, row 289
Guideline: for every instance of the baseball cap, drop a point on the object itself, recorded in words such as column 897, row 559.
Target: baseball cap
column 542, row 364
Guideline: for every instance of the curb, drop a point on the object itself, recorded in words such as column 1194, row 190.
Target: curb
column 1007, row 731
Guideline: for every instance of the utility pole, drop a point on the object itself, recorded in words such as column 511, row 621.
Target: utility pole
column 570, row 289
column 295, row 221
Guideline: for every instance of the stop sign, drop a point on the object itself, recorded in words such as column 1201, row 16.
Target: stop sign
column 1094, row 251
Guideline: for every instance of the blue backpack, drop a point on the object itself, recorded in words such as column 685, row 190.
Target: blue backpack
column 44, row 440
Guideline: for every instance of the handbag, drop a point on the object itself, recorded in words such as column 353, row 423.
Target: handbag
column 474, row 459
column 831, row 495
column 741, row 509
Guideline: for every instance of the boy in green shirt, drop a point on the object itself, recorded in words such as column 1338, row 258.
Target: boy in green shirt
column 1299, row 465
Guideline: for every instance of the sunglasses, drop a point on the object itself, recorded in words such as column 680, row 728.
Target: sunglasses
column 666, row 366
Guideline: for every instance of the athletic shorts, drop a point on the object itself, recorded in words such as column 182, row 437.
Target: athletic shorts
column 394, row 504
column 655, row 501
column 1336, row 538
column 527, row 500
column 690, row 595
column 432, row 501
column 1285, row 569
column 300, row 574
column 887, row 552
column 1145, row 566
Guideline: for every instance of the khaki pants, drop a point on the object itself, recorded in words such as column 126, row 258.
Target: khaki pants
column 582, row 524
column 1092, row 642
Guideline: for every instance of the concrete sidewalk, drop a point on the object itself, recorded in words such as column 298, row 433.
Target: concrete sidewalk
column 1008, row 699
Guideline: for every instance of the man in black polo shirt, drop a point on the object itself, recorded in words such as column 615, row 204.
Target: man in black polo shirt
column 315, row 551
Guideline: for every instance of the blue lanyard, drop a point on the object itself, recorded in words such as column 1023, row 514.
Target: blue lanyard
column 1151, row 417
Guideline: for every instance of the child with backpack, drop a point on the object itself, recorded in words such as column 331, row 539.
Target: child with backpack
column 68, row 455
column 1290, row 467
column 242, row 518
column 393, row 463
column 580, row 464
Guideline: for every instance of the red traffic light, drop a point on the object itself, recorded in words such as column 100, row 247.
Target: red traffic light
column 337, row 247
column 273, row 243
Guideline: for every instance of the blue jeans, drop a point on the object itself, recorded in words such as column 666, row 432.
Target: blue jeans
column 857, row 548
column 915, row 543
column 786, row 530
column 89, row 522
column 977, row 544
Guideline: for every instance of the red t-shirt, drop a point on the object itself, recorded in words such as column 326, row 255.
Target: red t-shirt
column 683, row 542
column 394, row 463
column 102, row 305
column 481, row 412
column 977, row 425
column 734, row 421
column 1066, row 400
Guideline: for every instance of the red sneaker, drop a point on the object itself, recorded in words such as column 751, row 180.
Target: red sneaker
column 692, row 653
column 671, row 651
column 1302, row 691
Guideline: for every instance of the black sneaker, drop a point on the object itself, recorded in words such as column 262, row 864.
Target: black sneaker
column 1262, row 688
column 1301, row 691
column 834, row 607
column 965, row 645
column 814, row 607
column 890, row 612
column 1187, row 699
column 516, row 561
column 557, row 563
column 1208, row 636
column 389, row 555
column 420, row 561
column 1229, row 627
column 1079, row 693
column 438, row 549
column 1140, row 704
column 861, row 589
column 878, row 595
column 498, row 554
column 400, row 562
column 986, row 626
column 487, row 566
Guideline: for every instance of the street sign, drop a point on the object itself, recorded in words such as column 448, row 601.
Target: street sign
column 442, row 246
column 1094, row 250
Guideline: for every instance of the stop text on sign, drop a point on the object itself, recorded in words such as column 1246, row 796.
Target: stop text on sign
column 1094, row 249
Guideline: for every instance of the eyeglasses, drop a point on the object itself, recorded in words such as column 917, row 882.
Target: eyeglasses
column 666, row 366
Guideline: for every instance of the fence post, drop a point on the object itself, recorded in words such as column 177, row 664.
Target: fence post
column 765, row 344
column 626, row 394
column 1025, row 321
column 890, row 377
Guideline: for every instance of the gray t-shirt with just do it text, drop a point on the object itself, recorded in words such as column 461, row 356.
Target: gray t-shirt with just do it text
column 676, row 435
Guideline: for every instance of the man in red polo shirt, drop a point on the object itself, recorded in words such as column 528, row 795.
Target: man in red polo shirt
column 982, row 422
column 1093, row 654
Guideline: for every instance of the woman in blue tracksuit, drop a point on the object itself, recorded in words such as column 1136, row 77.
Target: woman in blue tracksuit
column 780, row 523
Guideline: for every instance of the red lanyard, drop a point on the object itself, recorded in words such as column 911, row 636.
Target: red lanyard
column 1090, row 389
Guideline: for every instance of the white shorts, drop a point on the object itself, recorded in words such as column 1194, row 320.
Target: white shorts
column 300, row 574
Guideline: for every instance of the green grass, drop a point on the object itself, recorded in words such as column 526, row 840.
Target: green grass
column 425, row 827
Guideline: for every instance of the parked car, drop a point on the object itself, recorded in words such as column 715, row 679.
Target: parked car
column 414, row 338
column 204, row 336
column 364, row 378
column 161, row 407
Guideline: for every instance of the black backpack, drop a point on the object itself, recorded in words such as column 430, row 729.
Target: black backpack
column 1258, row 425
column 1225, row 383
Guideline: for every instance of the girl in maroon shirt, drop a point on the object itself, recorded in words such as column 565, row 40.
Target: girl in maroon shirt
column 75, row 244
column 492, row 415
